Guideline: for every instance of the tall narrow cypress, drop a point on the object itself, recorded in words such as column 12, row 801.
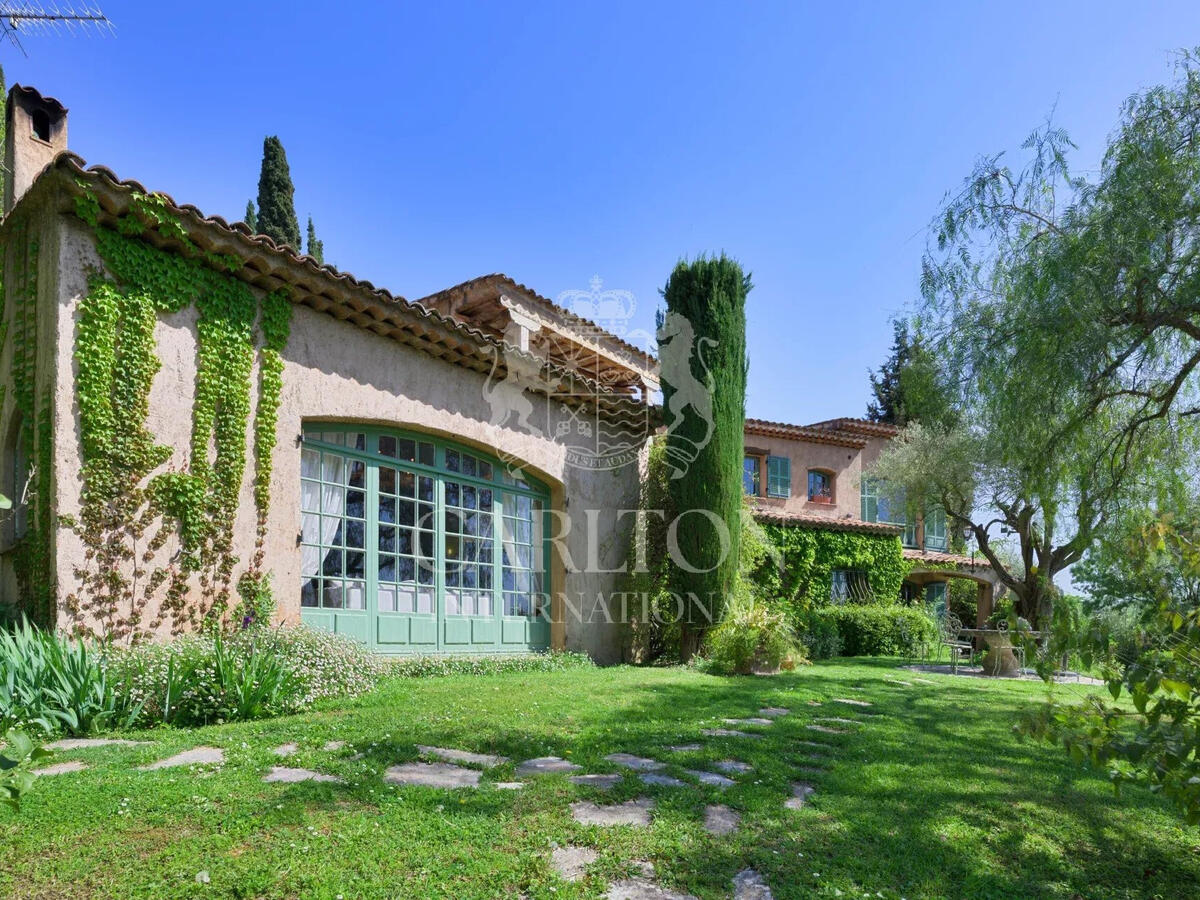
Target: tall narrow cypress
column 316, row 247
column 276, row 204
column 250, row 218
column 702, row 350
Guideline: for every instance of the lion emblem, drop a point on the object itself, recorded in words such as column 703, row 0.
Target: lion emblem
column 689, row 399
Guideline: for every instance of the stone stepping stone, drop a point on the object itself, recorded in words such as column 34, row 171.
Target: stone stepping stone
column 331, row 746
column 661, row 780
column 801, row 791
column 814, row 702
column 838, row 720
column 685, row 748
column 825, row 729
column 547, row 765
column 440, row 775
column 603, row 782
column 849, row 701
column 463, row 756
column 569, row 862
column 754, row 720
column 509, row 785
column 749, row 885
column 774, row 711
column 729, row 732
column 285, row 750
column 197, row 756
column 711, row 778
column 734, row 766
column 816, row 745
column 61, row 768
column 294, row 776
column 719, row 819
column 632, row 812
column 642, row 889
column 637, row 763
column 89, row 743
column 924, row 681
column 898, row 681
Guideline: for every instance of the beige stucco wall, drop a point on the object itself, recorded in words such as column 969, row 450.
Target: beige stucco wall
column 335, row 371
column 844, row 462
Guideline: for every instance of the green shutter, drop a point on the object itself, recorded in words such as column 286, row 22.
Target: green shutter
column 779, row 476
column 870, row 505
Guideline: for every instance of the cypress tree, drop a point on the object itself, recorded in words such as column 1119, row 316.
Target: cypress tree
column 702, row 349
column 276, row 206
column 250, row 218
column 316, row 248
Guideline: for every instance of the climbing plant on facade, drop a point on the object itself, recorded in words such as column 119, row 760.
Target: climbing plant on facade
column 131, row 508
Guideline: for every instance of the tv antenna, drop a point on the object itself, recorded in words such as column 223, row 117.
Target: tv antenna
column 30, row 18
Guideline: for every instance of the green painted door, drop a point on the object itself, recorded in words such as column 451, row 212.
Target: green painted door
column 414, row 545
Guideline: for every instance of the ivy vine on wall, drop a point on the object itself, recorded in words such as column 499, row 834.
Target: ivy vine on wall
column 130, row 508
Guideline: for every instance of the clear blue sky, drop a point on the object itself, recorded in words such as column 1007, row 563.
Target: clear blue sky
column 813, row 141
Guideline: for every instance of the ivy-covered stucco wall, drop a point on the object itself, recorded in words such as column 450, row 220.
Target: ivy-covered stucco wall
column 801, row 577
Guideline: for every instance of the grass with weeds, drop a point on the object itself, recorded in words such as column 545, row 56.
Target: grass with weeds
column 932, row 796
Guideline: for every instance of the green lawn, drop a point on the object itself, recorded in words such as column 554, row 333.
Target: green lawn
column 933, row 796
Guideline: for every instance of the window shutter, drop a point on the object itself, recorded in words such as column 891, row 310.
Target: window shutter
column 779, row 476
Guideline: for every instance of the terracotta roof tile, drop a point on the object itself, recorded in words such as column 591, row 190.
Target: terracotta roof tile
column 851, row 425
column 35, row 94
column 808, row 520
column 804, row 433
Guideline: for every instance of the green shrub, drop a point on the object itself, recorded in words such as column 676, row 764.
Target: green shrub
column 250, row 674
column 820, row 637
column 436, row 666
column 751, row 637
column 866, row 630
column 54, row 684
column 17, row 752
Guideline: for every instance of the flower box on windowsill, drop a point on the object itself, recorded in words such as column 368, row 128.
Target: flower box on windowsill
column 821, row 499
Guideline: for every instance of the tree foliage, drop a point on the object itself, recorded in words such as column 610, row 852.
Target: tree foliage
column 276, row 204
column 907, row 387
column 315, row 246
column 708, row 293
column 251, row 218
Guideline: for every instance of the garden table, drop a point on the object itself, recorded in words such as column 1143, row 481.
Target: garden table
column 1000, row 659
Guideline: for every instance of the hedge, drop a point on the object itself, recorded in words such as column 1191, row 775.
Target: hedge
column 865, row 630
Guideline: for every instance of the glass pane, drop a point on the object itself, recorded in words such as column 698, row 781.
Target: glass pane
column 469, row 498
column 387, row 538
column 386, row 598
column 356, row 562
column 333, row 437
column 485, row 604
column 453, row 548
column 451, row 494
column 408, row 449
column 332, row 598
column 452, row 605
column 357, row 440
column 485, row 499
column 332, row 564
column 452, row 461
column 356, row 595
column 387, row 568
column 356, row 504
column 406, row 541
column 468, row 464
column 387, row 446
column 331, row 530
column 358, row 474
column 310, row 529
column 406, row 484
column 425, row 454
column 405, row 601
column 310, row 496
column 408, row 570
column 406, row 511
column 310, row 463
column 310, row 592
column 387, row 480
column 333, row 468
column 356, row 534
column 425, row 489
column 425, row 601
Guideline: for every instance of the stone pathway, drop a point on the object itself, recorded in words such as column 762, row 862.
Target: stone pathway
column 285, row 750
column 851, row 702
column 635, row 813
column 462, row 756
column 441, row 775
column 824, row 729
column 749, row 885
column 637, row 763
column 570, row 862
column 774, row 711
column 754, row 720
column 729, row 732
column 711, row 778
column 331, row 746
column 735, row 766
column 89, row 743
column 685, row 748
column 547, row 765
column 603, row 782
column 197, row 756
column 294, row 776
column 509, row 785
column 661, row 780
column 838, row 720
column 720, row 820
column 642, row 889
column 61, row 768
column 801, row 791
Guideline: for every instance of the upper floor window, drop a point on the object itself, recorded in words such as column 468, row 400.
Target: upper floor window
column 779, row 476
column 935, row 529
column 820, row 486
column 751, row 475
column 879, row 504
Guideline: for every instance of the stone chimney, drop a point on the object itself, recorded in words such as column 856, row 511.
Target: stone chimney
column 35, row 131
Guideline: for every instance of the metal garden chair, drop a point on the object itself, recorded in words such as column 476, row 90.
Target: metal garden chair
column 951, row 639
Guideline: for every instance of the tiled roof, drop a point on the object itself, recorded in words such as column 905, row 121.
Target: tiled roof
column 579, row 321
column 269, row 265
column 857, row 426
column 804, row 433
column 808, row 520
column 933, row 556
